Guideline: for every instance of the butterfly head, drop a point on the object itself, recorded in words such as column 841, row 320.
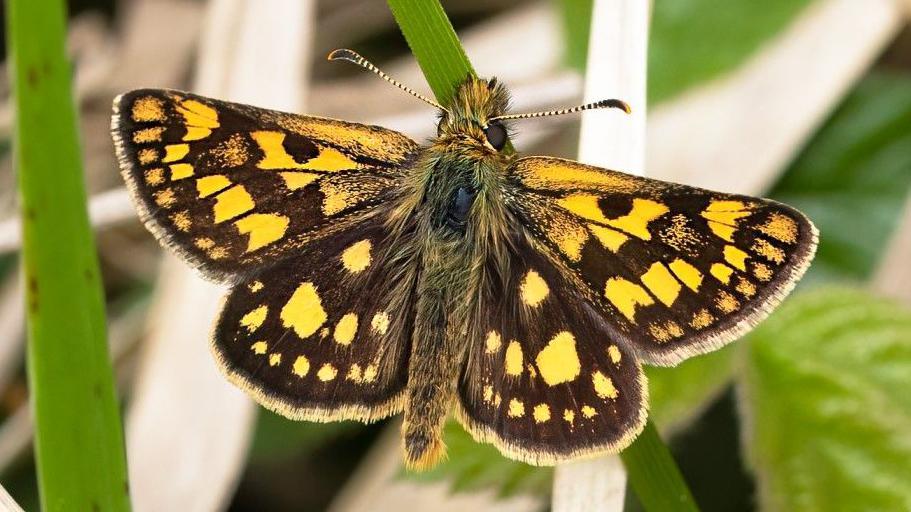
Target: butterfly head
column 470, row 116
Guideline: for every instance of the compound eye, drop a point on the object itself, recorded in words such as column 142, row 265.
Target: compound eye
column 496, row 135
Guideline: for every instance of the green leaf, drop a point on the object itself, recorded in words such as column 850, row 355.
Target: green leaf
column 78, row 438
column 693, row 41
column 679, row 394
column 853, row 178
column 277, row 437
column 826, row 402
column 472, row 466
column 577, row 23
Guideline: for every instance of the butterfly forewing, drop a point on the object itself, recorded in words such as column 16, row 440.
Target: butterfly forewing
column 233, row 187
column 674, row 270
column 323, row 336
column 545, row 382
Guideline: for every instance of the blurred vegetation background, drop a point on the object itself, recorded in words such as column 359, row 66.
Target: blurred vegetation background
column 804, row 101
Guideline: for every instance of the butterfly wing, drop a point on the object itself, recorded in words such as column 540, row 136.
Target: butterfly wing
column 673, row 270
column 231, row 187
column 324, row 336
column 546, row 383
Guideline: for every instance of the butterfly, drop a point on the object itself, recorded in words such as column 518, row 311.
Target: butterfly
column 372, row 275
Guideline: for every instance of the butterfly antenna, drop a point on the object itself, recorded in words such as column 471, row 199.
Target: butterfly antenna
column 588, row 106
column 353, row 56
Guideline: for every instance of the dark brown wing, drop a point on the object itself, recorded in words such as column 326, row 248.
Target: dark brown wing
column 547, row 383
column 324, row 336
column 674, row 270
column 232, row 187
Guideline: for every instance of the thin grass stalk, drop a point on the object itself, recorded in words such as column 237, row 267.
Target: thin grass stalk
column 78, row 437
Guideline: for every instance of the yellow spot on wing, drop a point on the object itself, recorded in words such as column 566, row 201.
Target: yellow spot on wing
column 614, row 353
column 356, row 258
column 780, row 227
column 661, row 283
column 589, row 411
column 583, row 205
column 165, row 198
column 297, row 180
column 514, row 358
column 541, row 413
column 569, row 238
column 304, row 311
column 301, row 366
column 181, row 171
column 636, row 221
column 198, row 114
column 762, row 272
column 687, row 273
column 721, row 272
column 275, row 359
column 147, row 109
column 626, row 295
column 155, row 176
column 729, row 218
column 335, row 198
column 208, row 185
column 735, row 257
column 330, row 159
column 231, row 203
column 516, row 408
column 604, row 386
column 609, row 238
column 370, row 373
column 182, row 221
column 665, row 332
column 702, row 319
column 276, row 157
column 569, row 416
column 558, row 362
column 255, row 318
column 533, row 289
column 147, row 156
column 745, row 287
column 175, row 152
column 488, row 394
column 148, row 134
column 326, row 372
column 196, row 133
column 346, row 329
column 768, row 251
column 726, row 302
column 380, row 323
column 355, row 374
column 259, row 348
column 724, row 206
column 550, row 176
column 722, row 230
column 493, row 342
column 255, row 286
column 263, row 228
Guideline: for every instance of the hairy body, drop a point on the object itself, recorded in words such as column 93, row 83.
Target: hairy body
column 453, row 221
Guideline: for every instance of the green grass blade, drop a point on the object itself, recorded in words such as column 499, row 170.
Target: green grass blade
column 434, row 44
column 654, row 475
column 78, row 437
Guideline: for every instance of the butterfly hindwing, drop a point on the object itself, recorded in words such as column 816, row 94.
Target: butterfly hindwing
column 546, row 383
column 675, row 270
column 233, row 187
column 322, row 336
